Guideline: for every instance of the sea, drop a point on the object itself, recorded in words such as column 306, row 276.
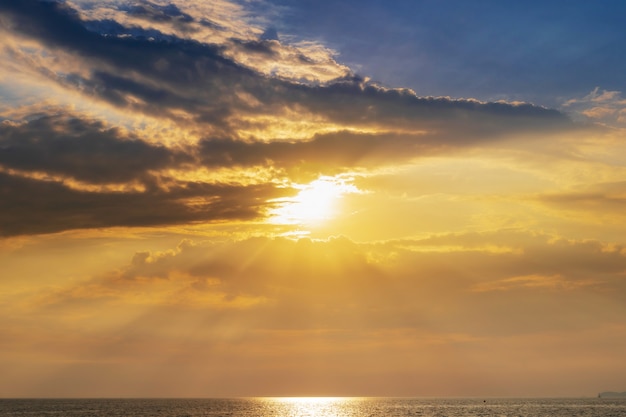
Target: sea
column 317, row 407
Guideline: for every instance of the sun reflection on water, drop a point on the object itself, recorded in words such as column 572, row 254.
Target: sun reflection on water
column 311, row 406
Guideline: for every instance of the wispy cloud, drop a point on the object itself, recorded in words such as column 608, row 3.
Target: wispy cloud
column 600, row 106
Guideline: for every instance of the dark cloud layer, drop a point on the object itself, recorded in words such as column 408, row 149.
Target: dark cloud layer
column 29, row 206
column 85, row 150
column 324, row 153
column 159, row 13
column 199, row 78
column 147, row 72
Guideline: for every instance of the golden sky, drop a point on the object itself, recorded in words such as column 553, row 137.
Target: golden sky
column 191, row 205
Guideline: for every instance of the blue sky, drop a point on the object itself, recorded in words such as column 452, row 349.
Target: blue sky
column 541, row 51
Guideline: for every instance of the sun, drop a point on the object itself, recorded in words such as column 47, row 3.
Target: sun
column 315, row 203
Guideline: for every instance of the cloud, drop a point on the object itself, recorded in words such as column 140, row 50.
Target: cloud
column 186, row 106
column 600, row 106
column 600, row 202
column 155, row 12
column 463, row 287
column 200, row 78
column 66, row 145
column 63, row 171
column 32, row 206
column 285, row 307
column 529, row 282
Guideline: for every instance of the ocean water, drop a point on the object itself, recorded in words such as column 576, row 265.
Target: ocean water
column 315, row 407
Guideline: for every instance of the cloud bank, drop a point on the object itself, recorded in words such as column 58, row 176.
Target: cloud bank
column 218, row 106
column 320, row 316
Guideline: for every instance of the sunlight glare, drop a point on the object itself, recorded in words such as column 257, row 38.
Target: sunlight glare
column 315, row 203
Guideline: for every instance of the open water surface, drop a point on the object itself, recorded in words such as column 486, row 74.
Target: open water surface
column 315, row 407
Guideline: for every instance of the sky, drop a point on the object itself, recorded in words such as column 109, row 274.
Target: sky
column 312, row 198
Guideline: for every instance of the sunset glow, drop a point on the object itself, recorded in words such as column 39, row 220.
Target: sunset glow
column 292, row 199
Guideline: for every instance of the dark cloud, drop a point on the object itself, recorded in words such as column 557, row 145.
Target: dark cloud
column 158, row 13
column 29, row 206
column 85, row 150
column 198, row 77
column 147, row 72
column 263, row 46
column 355, row 102
column 68, row 146
column 54, row 22
column 115, row 89
column 58, row 26
column 323, row 153
column 111, row 28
